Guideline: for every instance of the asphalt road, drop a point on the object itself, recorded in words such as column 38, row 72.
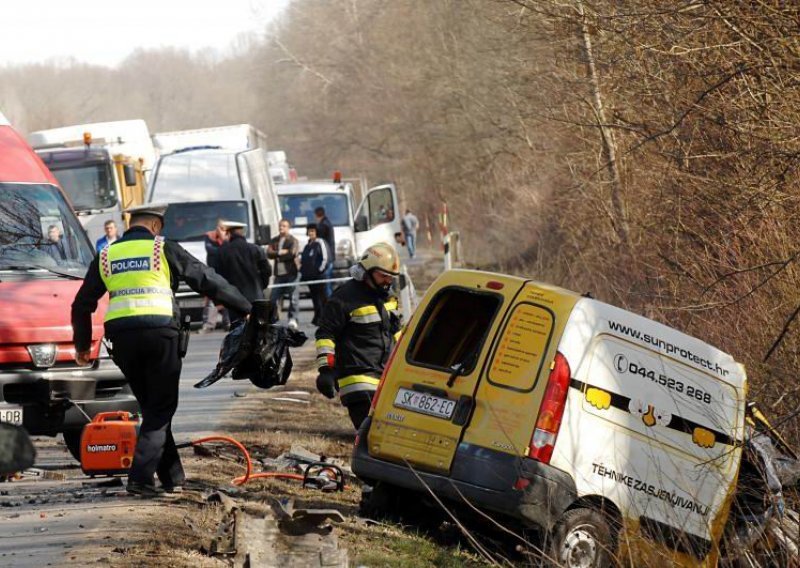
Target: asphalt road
column 46, row 522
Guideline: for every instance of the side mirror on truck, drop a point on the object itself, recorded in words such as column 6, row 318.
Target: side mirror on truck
column 129, row 173
column 263, row 235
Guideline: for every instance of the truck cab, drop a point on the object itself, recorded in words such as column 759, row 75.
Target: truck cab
column 44, row 255
column 102, row 168
column 376, row 219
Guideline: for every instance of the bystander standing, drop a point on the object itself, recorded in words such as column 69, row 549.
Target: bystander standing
column 283, row 251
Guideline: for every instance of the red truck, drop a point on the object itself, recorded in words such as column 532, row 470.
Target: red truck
column 44, row 255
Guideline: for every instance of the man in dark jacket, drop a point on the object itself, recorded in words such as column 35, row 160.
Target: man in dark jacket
column 141, row 271
column 312, row 267
column 283, row 251
column 357, row 331
column 244, row 265
column 213, row 240
column 325, row 233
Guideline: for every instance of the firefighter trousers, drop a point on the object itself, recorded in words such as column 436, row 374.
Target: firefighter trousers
column 149, row 360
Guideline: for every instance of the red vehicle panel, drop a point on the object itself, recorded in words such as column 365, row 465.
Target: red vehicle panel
column 44, row 255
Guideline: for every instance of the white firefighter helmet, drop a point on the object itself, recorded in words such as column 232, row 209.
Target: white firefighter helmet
column 381, row 256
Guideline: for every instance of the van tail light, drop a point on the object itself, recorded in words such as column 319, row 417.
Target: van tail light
column 383, row 379
column 387, row 366
column 551, row 411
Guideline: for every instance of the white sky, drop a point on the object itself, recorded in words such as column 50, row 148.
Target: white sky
column 104, row 32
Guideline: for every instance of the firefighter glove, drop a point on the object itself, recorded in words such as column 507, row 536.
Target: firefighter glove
column 326, row 382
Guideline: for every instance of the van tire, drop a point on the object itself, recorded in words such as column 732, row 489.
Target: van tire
column 72, row 439
column 584, row 538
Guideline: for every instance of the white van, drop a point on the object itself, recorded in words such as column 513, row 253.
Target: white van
column 613, row 433
column 376, row 219
column 203, row 185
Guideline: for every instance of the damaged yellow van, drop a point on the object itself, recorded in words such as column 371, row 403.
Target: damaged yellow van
column 611, row 433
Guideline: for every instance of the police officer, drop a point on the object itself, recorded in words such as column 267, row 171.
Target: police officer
column 243, row 264
column 357, row 332
column 141, row 271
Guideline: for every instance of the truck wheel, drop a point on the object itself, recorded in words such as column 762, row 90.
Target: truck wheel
column 584, row 538
column 72, row 438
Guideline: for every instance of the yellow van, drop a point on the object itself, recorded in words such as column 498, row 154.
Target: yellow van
column 610, row 432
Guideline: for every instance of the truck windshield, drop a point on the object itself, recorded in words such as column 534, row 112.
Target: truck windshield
column 39, row 230
column 88, row 186
column 193, row 176
column 191, row 221
column 299, row 209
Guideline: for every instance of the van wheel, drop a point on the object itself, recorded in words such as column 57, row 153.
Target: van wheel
column 72, row 438
column 583, row 538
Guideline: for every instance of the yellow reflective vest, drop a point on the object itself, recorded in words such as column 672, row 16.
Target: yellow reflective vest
column 136, row 275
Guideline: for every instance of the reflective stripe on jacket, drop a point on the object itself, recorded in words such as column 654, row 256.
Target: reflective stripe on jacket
column 136, row 275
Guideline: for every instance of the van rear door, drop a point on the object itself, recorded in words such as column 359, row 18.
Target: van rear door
column 428, row 393
column 515, row 376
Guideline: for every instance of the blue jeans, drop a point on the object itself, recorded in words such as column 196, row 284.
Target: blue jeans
column 327, row 275
column 411, row 244
column 276, row 295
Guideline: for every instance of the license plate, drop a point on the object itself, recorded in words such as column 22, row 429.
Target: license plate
column 424, row 403
column 11, row 415
column 192, row 303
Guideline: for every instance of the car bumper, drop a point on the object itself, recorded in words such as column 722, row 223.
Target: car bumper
column 44, row 395
column 486, row 478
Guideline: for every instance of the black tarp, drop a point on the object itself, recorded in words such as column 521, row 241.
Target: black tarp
column 257, row 350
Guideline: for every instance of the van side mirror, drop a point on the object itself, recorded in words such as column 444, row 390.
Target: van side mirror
column 360, row 224
column 129, row 173
column 263, row 235
column 16, row 449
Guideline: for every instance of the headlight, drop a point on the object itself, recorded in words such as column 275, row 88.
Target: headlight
column 344, row 248
column 43, row 355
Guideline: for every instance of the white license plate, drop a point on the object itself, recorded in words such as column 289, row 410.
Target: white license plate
column 192, row 303
column 11, row 415
column 424, row 403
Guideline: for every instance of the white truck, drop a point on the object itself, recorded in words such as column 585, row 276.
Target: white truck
column 376, row 219
column 279, row 167
column 233, row 137
column 203, row 185
column 101, row 166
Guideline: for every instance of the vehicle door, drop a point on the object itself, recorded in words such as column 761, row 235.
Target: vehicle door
column 513, row 381
column 262, row 192
column 377, row 217
column 428, row 393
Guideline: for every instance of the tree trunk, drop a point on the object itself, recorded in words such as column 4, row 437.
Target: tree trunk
column 619, row 219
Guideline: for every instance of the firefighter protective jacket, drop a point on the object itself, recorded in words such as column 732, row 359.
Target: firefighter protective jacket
column 355, row 338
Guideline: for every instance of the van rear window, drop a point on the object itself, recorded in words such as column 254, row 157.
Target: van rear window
column 453, row 329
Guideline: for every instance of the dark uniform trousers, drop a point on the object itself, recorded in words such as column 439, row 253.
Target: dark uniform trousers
column 149, row 360
column 359, row 410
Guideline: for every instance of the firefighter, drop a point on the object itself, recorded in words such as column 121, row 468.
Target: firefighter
column 357, row 332
column 141, row 271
